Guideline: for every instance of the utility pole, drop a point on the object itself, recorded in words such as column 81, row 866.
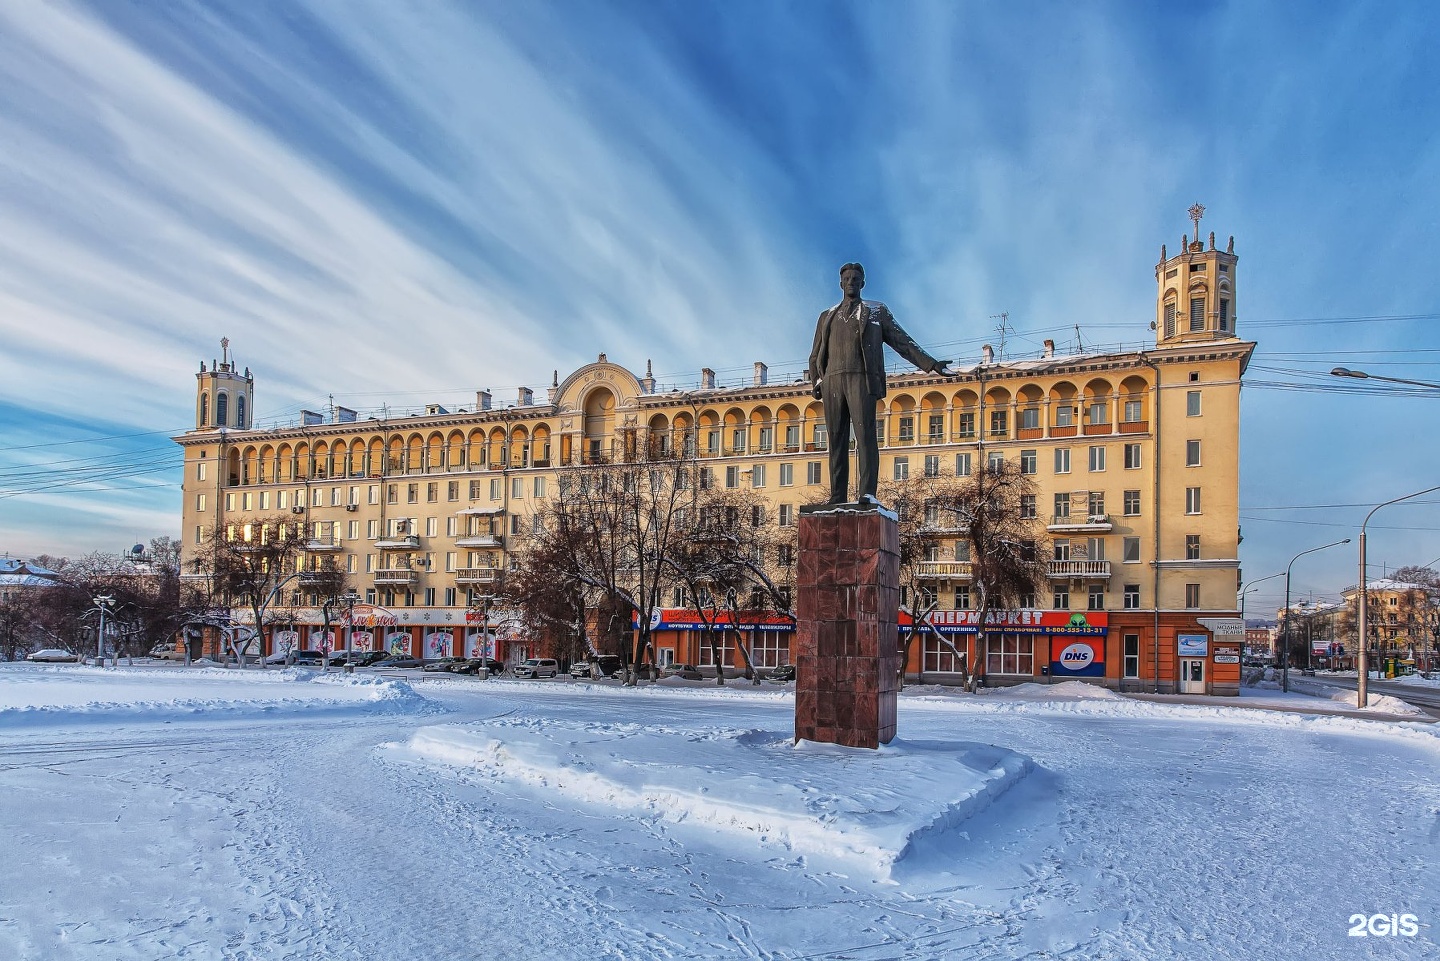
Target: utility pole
column 102, row 601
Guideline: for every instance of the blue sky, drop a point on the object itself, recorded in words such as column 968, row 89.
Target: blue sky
column 337, row 187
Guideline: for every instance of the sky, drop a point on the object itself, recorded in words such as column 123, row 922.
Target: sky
column 386, row 203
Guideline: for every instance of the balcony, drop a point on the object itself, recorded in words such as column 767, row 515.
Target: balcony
column 477, row 575
column 395, row 577
column 944, row 570
column 1079, row 523
column 399, row 542
column 480, row 540
column 1093, row 570
column 313, row 577
column 328, row 542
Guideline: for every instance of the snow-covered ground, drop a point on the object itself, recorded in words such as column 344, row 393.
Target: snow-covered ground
column 165, row 813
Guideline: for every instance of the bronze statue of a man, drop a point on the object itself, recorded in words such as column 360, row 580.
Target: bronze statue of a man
column 847, row 372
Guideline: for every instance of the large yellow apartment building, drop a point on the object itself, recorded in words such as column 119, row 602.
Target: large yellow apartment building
column 1134, row 455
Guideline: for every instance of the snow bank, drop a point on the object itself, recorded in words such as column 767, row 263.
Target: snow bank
column 32, row 694
column 1382, row 703
column 871, row 807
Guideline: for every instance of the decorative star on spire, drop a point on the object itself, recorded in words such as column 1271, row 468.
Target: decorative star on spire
column 1197, row 211
column 225, row 349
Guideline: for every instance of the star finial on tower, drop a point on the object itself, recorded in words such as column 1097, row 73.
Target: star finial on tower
column 225, row 349
column 1196, row 212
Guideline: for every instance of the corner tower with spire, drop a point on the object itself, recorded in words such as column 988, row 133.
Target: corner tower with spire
column 1196, row 290
column 224, row 397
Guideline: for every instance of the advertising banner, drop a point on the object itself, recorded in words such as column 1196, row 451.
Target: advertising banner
column 361, row 640
column 439, row 643
column 689, row 619
column 1076, row 657
column 398, row 642
column 1062, row 623
column 322, row 640
column 286, row 641
column 1193, row 645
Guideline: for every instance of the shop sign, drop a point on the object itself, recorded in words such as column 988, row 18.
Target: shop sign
column 1054, row 623
column 1077, row 658
column 682, row 619
column 1194, row 645
column 1227, row 655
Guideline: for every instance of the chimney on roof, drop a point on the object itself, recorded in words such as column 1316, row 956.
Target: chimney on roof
column 762, row 374
column 707, row 379
column 482, row 400
column 1049, row 348
column 524, row 397
column 987, row 354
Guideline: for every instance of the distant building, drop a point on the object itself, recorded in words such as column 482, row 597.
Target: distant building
column 1135, row 454
column 17, row 576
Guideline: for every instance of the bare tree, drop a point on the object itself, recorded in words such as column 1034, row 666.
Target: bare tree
column 249, row 564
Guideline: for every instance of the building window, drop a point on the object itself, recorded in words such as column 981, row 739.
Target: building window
column 1132, row 456
column 962, row 465
column 787, row 475
column 757, row 475
column 1097, row 459
column 967, row 426
column 907, row 429
column 936, row 429
column 1192, row 403
column 737, row 440
column 1192, row 596
column 1132, row 597
column 200, row 471
column 1192, row 500
column 1096, row 600
column 1028, row 461
column 412, row 494
column 962, row 598
column 539, row 487
column 1131, row 656
column 1061, row 599
column 767, row 439
column 932, row 465
column 757, row 515
column 1027, row 507
column 497, row 488
column 1030, row 418
column 1192, row 453
column 902, row 468
column 732, row 476
column 517, row 487
column 1065, row 416
column 792, row 437
column 1197, row 313
column 1062, row 506
column 432, row 492
column 999, row 423
column 819, row 436
column 452, row 491
column 1099, row 412
column 1192, row 547
column 1010, row 654
column 1062, row 460
column 1130, row 550
column 1224, row 315
column 940, row 657
column 222, row 410
column 1132, row 503
column 1096, row 506
column 200, row 502
column 1133, row 412
column 1061, row 547
column 787, row 515
column 962, row 550
column 812, row 472
column 1170, row 318
column 995, row 462
column 449, row 597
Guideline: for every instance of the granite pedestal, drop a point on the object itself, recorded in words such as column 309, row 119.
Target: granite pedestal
column 847, row 656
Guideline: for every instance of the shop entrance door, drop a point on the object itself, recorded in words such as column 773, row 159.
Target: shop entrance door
column 1192, row 676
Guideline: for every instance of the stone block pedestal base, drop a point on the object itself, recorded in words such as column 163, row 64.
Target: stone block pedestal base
column 847, row 657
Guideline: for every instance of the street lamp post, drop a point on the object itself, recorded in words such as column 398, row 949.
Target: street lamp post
column 1362, row 375
column 1362, row 661
column 102, row 602
column 1285, row 650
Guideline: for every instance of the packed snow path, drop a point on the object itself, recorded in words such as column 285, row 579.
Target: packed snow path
column 1145, row 831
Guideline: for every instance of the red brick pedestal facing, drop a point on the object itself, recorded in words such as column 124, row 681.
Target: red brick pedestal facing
column 847, row 657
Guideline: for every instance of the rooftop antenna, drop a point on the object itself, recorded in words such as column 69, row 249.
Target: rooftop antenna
column 1079, row 347
column 1002, row 328
column 330, row 407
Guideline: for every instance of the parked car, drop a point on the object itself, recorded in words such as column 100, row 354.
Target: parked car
column 53, row 655
column 307, row 658
column 168, row 652
column 493, row 667
column 367, row 658
column 399, row 660
column 538, row 667
column 443, row 664
column 686, row 672
column 784, row 673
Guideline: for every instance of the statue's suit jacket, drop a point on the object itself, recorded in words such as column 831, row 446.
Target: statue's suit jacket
column 879, row 329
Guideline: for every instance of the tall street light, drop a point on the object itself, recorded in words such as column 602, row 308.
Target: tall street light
column 1285, row 651
column 1363, row 627
column 102, row 603
column 1249, row 586
column 1362, row 375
